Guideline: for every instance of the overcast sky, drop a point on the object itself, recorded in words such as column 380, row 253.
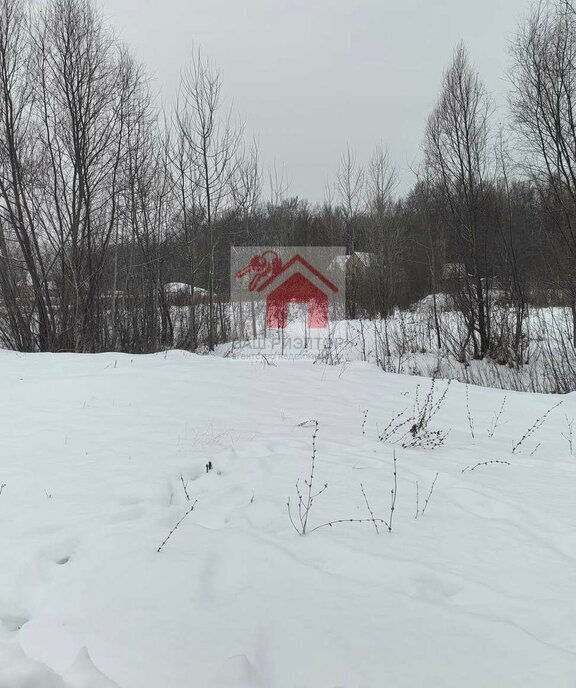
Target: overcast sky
column 310, row 77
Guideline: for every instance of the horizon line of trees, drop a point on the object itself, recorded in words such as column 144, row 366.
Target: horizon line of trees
column 104, row 199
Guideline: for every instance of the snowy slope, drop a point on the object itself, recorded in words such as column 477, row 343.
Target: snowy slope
column 478, row 591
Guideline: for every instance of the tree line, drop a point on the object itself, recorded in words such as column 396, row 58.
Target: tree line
column 105, row 199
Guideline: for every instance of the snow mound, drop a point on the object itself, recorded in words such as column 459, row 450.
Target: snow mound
column 19, row 671
column 83, row 674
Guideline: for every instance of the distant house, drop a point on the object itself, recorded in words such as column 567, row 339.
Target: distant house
column 457, row 272
column 108, row 298
column 184, row 294
column 453, row 271
column 25, row 290
column 357, row 263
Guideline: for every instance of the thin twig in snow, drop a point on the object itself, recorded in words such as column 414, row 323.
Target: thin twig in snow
column 347, row 520
column 394, row 491
column 570, row 436
column 429, row 494
column 496, row 419
column 369, row 508
column 535, row 426
column 470, row 420
column 485, row 463
column 184, row 487
column 190, row 510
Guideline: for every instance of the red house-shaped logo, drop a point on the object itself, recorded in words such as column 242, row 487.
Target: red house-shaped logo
column 296, row 281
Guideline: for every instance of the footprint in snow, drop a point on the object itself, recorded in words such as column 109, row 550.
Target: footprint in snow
column 13, row 623
column 131, row 513
column 238, row 672
column 436, row 589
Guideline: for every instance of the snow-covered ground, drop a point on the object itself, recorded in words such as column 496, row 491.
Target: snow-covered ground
column 101, row 453
column 406, row 342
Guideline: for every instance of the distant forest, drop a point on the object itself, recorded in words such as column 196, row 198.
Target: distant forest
column 104, row 199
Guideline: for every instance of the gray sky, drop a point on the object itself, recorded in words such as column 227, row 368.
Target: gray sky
column 309, row 77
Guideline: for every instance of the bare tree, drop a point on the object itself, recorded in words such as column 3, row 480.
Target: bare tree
column 85, row 89
column 423, row 207
column 213, row 144
column 350, row 187
column 349, row 192
column 385, row 236
column 544, row 108
column 185, row 173
column 21, row 246
column 246, row 189
column 457, row 156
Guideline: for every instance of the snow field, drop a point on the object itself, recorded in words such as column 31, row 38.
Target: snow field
column 477, row 591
